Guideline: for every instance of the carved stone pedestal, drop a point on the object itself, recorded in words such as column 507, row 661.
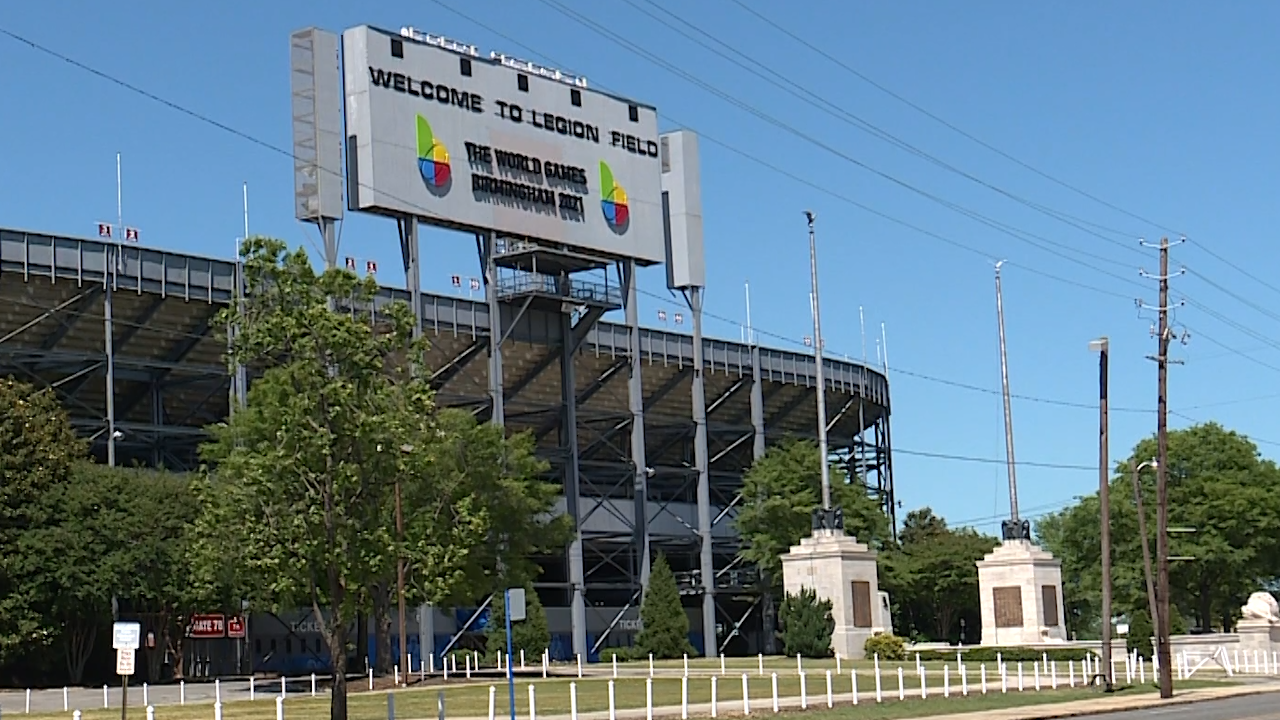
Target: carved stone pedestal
column 1021, row 595
column 840, row 569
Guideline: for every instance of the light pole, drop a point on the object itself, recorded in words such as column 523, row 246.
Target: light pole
column 1146, row 549
column 1102, row 346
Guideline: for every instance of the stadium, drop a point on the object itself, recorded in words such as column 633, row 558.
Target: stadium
column 648, row 431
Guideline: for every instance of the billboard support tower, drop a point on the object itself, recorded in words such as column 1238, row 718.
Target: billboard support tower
column 315, row 85
column 686, row 271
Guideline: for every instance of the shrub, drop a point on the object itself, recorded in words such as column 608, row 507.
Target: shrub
column 886, row 647
column 664, row 627
column 806, row 624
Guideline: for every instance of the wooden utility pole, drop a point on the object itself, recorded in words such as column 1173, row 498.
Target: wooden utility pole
column 1164, row 333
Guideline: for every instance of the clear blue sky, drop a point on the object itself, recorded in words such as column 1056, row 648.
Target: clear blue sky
column 1162, row 109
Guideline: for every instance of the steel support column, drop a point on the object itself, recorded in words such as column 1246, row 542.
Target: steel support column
column 635, row 398
column 706, row 564
column 409, row 254
column 757, row 404
column 329, row 235
column 486, row 242
column 572, row 492
column 109, row 341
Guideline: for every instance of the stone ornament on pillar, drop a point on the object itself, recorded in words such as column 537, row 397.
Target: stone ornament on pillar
column 1259, row 626
column 842, row 570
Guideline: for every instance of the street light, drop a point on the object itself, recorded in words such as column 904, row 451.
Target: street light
column 1102, row 346
column 1146, row 549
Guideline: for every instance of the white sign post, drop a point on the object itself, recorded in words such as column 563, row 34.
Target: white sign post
column 513, row 607
column 126, row 638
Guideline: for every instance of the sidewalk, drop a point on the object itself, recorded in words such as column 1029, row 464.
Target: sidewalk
column 1041, row 711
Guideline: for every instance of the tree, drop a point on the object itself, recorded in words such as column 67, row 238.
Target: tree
column 664, row 626
column 38, row 451
column 303, row 474
column 1220, row 487
column 780, row 492
column 530, row 636
column 932, row 578
column 805, row 624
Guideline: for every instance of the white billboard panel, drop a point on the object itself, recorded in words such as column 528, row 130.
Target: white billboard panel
column 480, row 143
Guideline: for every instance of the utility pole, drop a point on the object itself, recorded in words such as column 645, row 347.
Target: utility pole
column 1164, row 333
column 1102, row 345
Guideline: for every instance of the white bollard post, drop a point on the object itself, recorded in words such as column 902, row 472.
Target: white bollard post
column 924, row 684
column 279, row 708
column 613, row 702
column 533, row 704
column 982, row 669
column 615, row 665
column 253, row 689
column 284, row 687
column 493, row 701
column 1004, row 679
column 964, row 681
column 1036, row 670
column 75, row 715
column 573, row 701
column 217, row 710
column 546, row 660
column 313, row 684
column 65, row 698
column 746, row 696
column 648, row 698
column 650, row 664
column 760, row 663
column 838, row 669
column 1053, row 674
column 804, row 692
column 946, row 681
column 879, row 695
column 831, row 701
column 106, row 703
column 1142, row 671
column 902, row 691
column 721, row 664
column 579, row 666
column 371, row 676
column 182, row 692
column 1071, row 673
column 151, row 712
column 466, row 666
column 684, row 698
column 431, row 663
column 1020, row 685
column 714, row 700
column 521, row 658
column 774, row 683
column 686, row 664
column 853, row 681
column 146, row 696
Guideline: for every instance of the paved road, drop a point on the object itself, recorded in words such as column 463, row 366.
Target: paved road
column 1250, row 707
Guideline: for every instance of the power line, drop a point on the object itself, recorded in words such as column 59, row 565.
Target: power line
column 427, row 213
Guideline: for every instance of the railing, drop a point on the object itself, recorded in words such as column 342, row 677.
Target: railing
column 576, row 291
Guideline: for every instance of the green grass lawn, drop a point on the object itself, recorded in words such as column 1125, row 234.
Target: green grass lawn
column 553, row 698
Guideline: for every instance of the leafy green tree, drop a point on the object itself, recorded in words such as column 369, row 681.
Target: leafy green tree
column 931, row 577
column 38, row 451
column 1220, row 487
column 304, row 473
column 805, row 624
column 780, row 492
column 664, row 626
column 531, row 635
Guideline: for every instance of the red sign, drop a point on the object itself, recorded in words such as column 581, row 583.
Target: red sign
column 236, row 627
column 205, row 627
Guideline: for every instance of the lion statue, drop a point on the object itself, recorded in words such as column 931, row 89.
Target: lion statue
column 1261, row 606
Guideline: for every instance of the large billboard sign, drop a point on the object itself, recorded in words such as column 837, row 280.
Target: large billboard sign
column 438, row 132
